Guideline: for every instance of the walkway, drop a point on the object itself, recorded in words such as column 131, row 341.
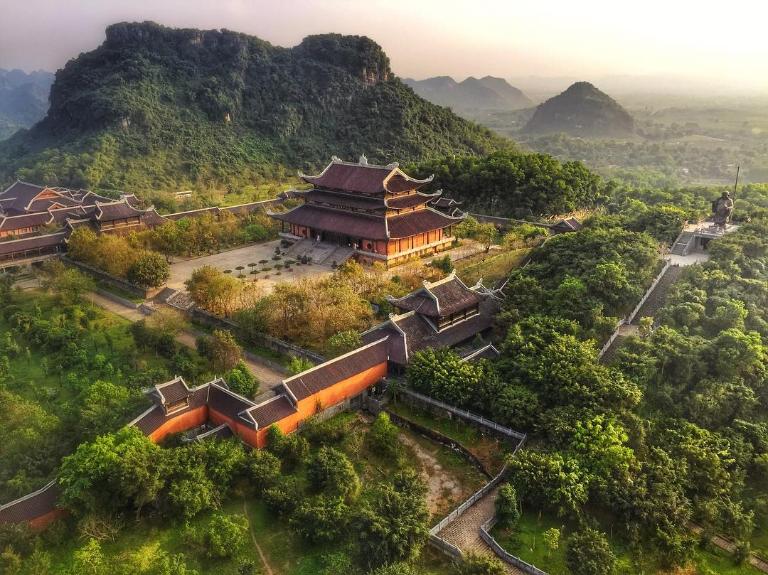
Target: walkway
column 266, row 374
column 464, row 532
column 727, row 545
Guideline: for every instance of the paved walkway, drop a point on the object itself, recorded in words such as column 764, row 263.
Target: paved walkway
column 729, row 546
column 266, row 374
column 464, row 532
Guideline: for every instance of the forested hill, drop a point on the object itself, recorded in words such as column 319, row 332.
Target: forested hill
column 161, row 108
column 23, row 99
column 582, row 110
column 487, row 93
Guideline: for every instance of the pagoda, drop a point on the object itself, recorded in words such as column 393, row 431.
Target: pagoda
column 378, row 211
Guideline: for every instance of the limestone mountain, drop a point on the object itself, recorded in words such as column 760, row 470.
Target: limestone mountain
column 158, row 108
column 23, row 99
column 582, row 110
column 487, row 93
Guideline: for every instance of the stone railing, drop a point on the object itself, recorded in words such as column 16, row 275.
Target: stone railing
column 503, row 554
column 467, row 416
column 648, row 292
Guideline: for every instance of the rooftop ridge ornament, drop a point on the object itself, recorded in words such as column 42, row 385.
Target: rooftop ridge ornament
column 363, row 160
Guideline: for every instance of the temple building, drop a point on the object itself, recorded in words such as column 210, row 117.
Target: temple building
column 36, row 221
column 444, row 313
column 378, row 211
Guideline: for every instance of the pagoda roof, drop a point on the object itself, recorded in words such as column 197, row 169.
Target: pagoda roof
column 32, row 505
column 364, row 225
column 337, row 369
column 31, row 243
column 116, row 211
column 273, row 409
column 410, row 332
column 420, row 221
column 11, row 223
column 364, row 178
column 22, row 194
column 411, row 200
column 346, row 200
column 349, row 223
column 440, row 298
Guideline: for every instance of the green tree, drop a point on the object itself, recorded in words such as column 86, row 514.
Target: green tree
column 507, row 507
column 89, row 559
column 343, row 342
column 150, row 270
column 321, row 519
column 552, row 540
column 225, row 535
column 391, row 524
column 115, row 471
column 332, row 473
column 241, row 380
column 589, row 553
column 474, row 564
column 384, row 436
column 297, row 365
column 221, row 349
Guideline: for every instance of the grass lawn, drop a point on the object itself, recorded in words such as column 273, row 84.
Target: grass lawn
column 490, row 267
column 527, row 542
column 486, row 448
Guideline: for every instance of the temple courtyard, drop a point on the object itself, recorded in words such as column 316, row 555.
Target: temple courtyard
column 182, row 268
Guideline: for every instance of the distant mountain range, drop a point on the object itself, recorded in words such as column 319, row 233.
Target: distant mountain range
column 23, row 99
column 158, row 108
column 582, row 110
column 487, row 93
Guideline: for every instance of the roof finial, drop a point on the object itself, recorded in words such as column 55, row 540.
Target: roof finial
column 335, row 159
column 363, row 160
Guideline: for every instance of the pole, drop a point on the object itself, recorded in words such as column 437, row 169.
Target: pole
column 736, row 183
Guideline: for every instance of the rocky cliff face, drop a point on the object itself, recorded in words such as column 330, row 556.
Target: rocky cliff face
column 218, row 104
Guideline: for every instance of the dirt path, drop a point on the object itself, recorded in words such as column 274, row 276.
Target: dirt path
column 263, row 557
column 440, row 484
column 268, row 376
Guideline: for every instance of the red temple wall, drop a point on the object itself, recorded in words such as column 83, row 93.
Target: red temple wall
column 40, row 523
column 183, row 422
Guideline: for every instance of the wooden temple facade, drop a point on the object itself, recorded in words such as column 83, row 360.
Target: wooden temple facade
column 378, row 211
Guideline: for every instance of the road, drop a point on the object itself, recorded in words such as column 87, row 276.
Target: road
column 267, row 375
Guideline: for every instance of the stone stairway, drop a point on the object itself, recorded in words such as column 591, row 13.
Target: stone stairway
column 680, row 246
column 658, row 296
column 464, row 532
column 318, row 252
column 340, row 255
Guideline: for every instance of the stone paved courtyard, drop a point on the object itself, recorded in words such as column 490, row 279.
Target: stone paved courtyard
column 182, row 269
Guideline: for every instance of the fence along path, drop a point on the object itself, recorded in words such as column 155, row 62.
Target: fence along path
column 460, row 532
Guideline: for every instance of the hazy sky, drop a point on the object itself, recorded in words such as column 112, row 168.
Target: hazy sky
column 712, row 40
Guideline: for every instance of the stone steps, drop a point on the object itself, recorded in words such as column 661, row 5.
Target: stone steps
column 681, row 244
column 658, row 296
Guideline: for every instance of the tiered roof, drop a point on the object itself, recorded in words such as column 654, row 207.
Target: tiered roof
column 440, row 298
column 364, row 178
column 417, row 328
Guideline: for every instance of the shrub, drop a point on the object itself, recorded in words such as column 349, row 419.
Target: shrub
column 507, row 508
column 321, row 519
column 225, row 536
column 383, row 436
column 331, row 472
column 589, row 553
